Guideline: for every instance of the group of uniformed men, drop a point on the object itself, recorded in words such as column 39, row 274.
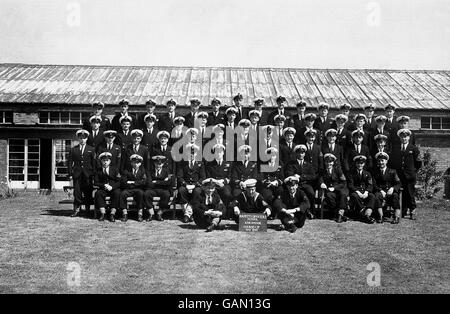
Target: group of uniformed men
column 270, row 164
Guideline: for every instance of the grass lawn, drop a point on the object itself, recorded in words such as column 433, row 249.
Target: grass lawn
column 38, row 240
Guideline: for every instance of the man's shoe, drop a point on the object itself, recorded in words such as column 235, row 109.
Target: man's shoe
column 395, row 221
column 210, row 228
column 191, row 219
column 102, row 217
column 185, row 219
column 339, row 219
column 159, row 217
column 293, row 228
column 280, row 228
column 369, row 220
column 75, row 214
column 149, row 218
column 380, row 220
column 140, row 218
column 112, row 218
column 124, row 218
column 309, row 215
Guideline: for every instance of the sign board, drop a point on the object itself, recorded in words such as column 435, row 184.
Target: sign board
column 252, row 222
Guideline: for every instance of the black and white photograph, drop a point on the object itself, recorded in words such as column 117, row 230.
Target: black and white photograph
column 224, row 153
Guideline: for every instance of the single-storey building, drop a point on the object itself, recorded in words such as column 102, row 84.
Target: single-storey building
column 41, row 106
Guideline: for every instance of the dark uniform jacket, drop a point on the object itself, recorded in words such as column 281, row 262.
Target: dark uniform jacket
column 105, row 124
column 298, row 201
column 157, row 150
column 370, row 125
column 116, row 152
column 96, row 141
column 306, row 171
column 140, row 123
column 129, row 151
column 271, row 117
column 250, row 205
column 241, row 173
column 199, row 202
column 112, row 178
column 115, row 124
column 336, row 179
column 150, row 139
column 189, row 120
column 297, row 123
column 213, row 170
column 123, row 140
column 323, row 127
column 165, row 123
column 215, row 118
column 140, row 179
column 338, row 152
column 81, row 164
column 159, row 181
column 351, row 153
column 390, row 126
column 301, row 138
column 287, row 154
column 190, row 175
column 343, row 138
column 361, row 182
column 315, row 157
column 385, row 182
column 406, row 162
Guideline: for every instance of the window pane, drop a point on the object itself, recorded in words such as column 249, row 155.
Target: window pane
column 33, row 163
column 436, row 123
column 54, row 117
column 425, row 123
column 33, row 170
column 16, row 163
column 33, row 177
column 17, row 156
column 43, row 117
column 75, row 118
column 446, row 123
column 16, row 177
column 17, row 142
column 16, row 149
column 34, row 156
column 65, row 117
column 9, row 117
column 16, row 170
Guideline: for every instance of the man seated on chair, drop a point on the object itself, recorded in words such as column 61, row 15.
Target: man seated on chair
column 207, row 206
column 249, row 201
column 386, row 187
column 333, row 183
column 159, row 185
column 292, row 206
column 271, row 178
column 133, row 184
column 190, row 174
column 107, row 178
column 360, row 185
column 306, row 175
column 243, row 169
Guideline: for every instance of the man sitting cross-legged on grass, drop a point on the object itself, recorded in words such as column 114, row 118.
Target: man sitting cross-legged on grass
column 160, row 181
column 333, row 182
column 386, row 186
column 249, row 201
column 107, row 179
column 292, row 206
column 133, row 184
column 207, row 206
column 360, row 185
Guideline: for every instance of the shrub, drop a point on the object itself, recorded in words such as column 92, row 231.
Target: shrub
column 428, row 178
column 6, row 191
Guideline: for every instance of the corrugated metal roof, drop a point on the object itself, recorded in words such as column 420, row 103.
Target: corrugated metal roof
column 59, row 84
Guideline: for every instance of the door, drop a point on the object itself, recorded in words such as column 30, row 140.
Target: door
column 23, row 163
column 61, row 149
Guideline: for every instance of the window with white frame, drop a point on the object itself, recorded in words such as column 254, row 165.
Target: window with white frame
column 62, row 117
column 435, row 123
